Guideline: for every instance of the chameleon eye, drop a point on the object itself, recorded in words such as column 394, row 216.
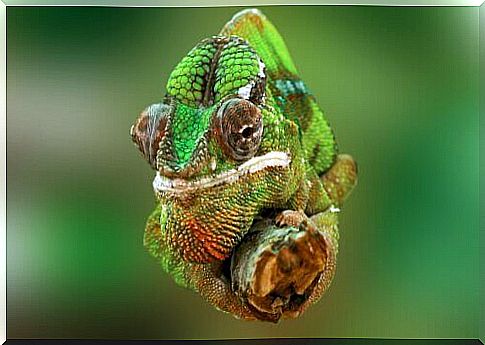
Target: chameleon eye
column 241, row 127
column 149, row 129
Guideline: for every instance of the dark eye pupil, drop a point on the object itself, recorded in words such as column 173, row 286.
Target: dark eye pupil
column 247, row 132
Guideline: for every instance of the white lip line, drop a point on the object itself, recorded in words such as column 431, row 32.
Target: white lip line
column 271, row 159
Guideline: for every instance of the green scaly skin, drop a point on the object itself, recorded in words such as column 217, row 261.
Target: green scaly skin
column 236, row 135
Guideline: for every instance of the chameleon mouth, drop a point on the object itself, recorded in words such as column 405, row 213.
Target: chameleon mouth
column 253, row 165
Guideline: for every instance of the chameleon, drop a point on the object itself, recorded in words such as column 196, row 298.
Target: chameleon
column 249, row 182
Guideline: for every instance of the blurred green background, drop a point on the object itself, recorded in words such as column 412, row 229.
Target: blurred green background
column 400, row 88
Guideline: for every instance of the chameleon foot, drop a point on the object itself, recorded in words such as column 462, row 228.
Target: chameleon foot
column 292, row 218
column 276, row 270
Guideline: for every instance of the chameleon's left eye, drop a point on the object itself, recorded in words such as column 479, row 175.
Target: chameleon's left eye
column 241, row 127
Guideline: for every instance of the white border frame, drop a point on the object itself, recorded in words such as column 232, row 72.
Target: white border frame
column 144, row 3
column 3, row 188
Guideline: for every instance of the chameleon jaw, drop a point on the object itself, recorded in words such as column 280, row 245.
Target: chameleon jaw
column 253, row 165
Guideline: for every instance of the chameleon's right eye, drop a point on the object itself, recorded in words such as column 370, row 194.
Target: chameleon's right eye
column 241, row 128
column 149, row 129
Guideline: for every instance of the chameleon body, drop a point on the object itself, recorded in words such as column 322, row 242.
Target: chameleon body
column 241, row 147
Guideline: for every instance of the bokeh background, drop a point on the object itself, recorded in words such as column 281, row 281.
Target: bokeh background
column 400, row 88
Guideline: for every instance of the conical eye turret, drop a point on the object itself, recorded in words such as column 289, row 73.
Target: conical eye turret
column 240, row 127
column 149, row 129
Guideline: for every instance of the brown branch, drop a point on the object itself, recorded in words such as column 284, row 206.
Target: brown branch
column 276, row 269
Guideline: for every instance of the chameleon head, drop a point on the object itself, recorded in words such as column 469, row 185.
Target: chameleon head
column 222, row 153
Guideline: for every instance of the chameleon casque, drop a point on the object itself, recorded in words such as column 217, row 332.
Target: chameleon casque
column 248, row 179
